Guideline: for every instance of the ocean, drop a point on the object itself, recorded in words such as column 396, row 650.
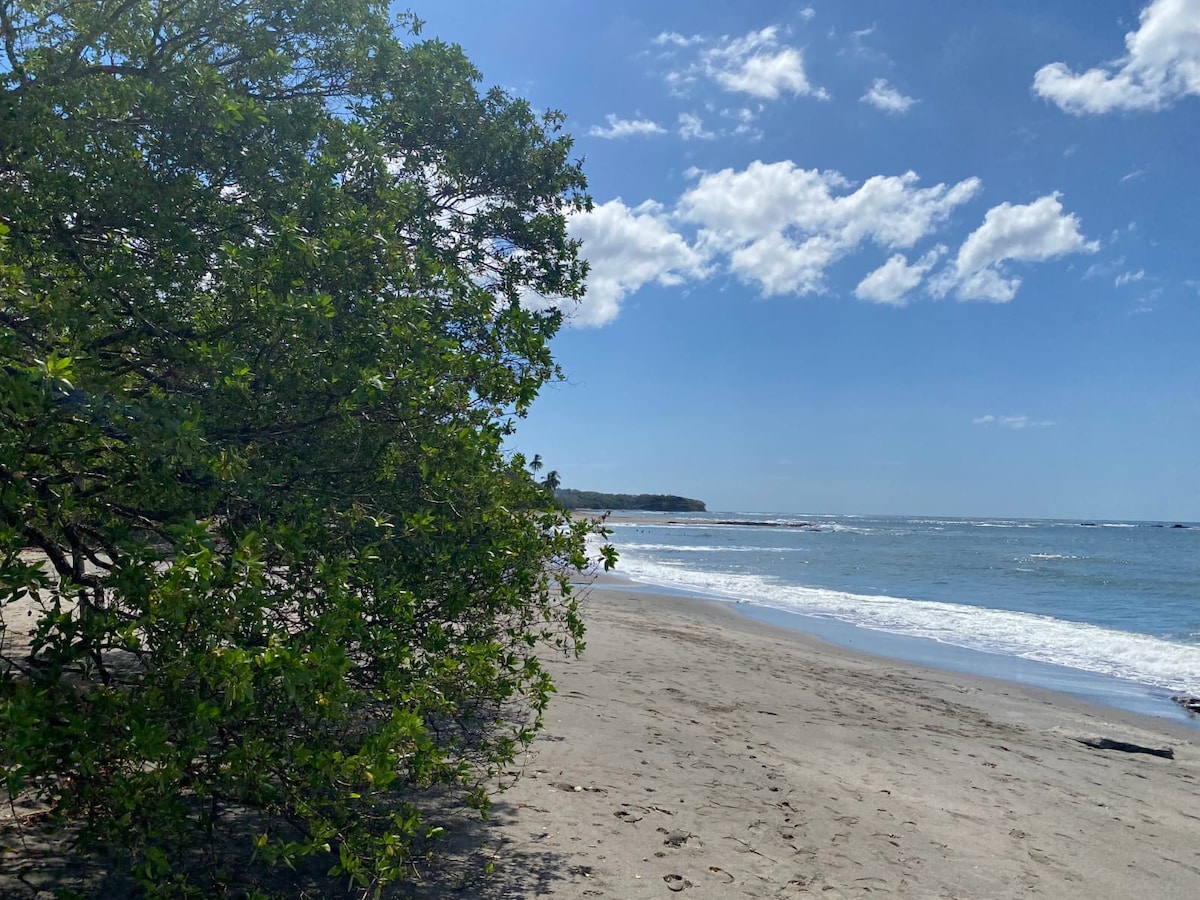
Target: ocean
column 1108, row 611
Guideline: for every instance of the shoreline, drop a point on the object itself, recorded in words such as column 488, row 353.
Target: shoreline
column 695, row 750
column 1107, row 680
column 1105, row 691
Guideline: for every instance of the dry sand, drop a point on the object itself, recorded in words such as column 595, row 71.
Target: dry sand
column 693, row 751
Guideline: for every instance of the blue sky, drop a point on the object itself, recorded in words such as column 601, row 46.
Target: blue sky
column 873, row 257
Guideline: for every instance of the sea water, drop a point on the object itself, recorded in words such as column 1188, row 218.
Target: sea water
column 1106, row 610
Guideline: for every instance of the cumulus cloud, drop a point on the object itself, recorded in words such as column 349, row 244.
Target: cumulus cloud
column 885, row 97
column 691, row 127
column 1033, row 232
column 757, row 63
column 783, row 226
column 780, row 229
column 1016, row 423
column 1160, row 66
column 626, row 249
column 621, row 128
column 895, row 279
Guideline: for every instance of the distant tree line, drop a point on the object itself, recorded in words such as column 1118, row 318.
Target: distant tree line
column 573, row 499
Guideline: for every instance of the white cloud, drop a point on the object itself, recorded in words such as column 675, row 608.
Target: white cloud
column 676, row 39
column 782, row 266
column 1129, row 277
column 1106, row 268
column 1016, row 423
column 691, row 127
column 807, row 13
column 1161, row 65
column 626, row 249
column 1033, row 232
column 783, row 226
column 896, row 278
column 883, row 96
column 757, row 63
column 744, row 117
column 621, row 128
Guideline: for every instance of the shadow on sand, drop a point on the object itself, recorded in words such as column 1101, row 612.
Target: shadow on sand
column 470, row 859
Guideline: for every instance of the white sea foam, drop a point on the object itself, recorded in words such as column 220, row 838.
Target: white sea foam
column 773, row 525
column 700, row 548
column 1091, row 648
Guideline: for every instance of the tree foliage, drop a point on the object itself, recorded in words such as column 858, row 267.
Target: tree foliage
column 261, row 339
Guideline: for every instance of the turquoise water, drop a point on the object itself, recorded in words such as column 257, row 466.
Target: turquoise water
column 1109, row 610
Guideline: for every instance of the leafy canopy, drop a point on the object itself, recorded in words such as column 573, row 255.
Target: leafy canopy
column 263, row 558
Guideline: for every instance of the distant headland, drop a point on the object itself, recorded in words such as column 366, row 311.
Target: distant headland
column 573, row 499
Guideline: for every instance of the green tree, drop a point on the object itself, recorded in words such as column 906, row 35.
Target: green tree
column 261, row 340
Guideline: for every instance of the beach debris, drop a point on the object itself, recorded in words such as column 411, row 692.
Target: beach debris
column 576, row 788
column 627, row 817
column 1126, row 747
column 1191, row 704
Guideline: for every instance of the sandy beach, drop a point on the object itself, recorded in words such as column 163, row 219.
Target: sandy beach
column 694, row 751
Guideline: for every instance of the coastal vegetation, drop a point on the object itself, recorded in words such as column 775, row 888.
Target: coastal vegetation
column 269, row 578
column 573, row 499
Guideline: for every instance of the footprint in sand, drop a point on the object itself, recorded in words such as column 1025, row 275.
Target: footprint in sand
column 721, row 875
column 675, row 838
column 676, row 882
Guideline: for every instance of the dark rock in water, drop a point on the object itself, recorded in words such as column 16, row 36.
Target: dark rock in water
column 1089, row 524
column 1126, row 747
column 1178, row 526
column 1191, row 704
